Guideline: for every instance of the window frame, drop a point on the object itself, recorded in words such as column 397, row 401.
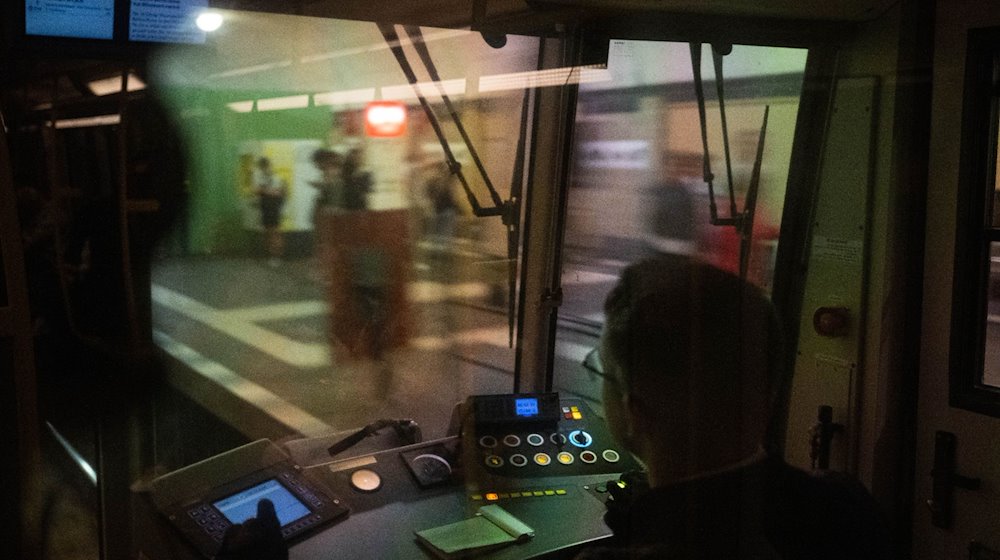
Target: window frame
column 975, row 230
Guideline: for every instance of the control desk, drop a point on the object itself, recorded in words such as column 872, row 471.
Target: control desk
column 544, row 460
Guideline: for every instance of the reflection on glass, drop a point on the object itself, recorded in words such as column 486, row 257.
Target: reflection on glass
column 991, row 354
column 328, row 271
column 638, row 186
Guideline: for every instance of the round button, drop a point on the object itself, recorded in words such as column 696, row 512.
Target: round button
column 588, row 457
column 565, row 458
column 487, row 441
column 518, row 460
column 542, row 459
column 510, row 440
column 611, row 456
column 580, row 438
column 535, row 439
column 558, row 439
column 366, row 480
column 494, row 461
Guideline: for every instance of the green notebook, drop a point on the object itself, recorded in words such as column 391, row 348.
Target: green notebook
column 491, row 528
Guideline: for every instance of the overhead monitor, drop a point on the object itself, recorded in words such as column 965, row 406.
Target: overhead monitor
column 83, row 19
column 166, row 21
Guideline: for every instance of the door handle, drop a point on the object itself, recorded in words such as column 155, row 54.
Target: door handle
column 821, row 436
column 945, row 479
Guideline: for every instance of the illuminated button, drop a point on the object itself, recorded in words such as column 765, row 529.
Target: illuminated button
column 492, row 496
column 557, row 439
column 611, row 456
column 550, row 492
column 535, row 439
column 487, row 441
column 580, row 438
column 510, row 440
column 518, row 460
column 494, row 461
column 527, row 494
column 542, row 459
column 560, row 492
column 577, row 416
column 588, row 457
column 538, row 493
column 565, row 409
column 565, row 458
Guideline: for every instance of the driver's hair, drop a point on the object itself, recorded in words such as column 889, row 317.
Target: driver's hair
column 696, row 345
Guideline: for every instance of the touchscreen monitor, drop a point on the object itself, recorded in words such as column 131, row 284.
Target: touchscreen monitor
column 241, row 506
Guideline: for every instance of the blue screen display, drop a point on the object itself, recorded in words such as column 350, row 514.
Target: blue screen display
column 86, row 19
column 243, row 505
column 526, row 407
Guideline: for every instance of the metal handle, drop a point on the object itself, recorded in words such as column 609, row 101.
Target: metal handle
column 945, row 479
column 821, row 436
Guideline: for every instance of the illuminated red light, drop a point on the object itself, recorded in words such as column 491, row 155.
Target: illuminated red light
column 385, row 119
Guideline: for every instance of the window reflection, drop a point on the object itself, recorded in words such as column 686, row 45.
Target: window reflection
column 638, row 186
column 324, row 274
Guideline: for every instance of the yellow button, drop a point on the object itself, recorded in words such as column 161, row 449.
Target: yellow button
column 542, row 459
column 538, row 493
column 550, row 492
column 565, row 458
column 577, row 416
column 560, row 492
column 575, row 408
column 476, row 497
column 527, row 494
column 492, row 496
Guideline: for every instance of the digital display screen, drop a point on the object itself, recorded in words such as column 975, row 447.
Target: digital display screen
column 166, row 21
column 243, row 505
column 526, row 407
column 84, row 19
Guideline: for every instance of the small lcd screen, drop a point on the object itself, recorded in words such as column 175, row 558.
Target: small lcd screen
column 243, row 505
column 526, row 407
column 166, row 21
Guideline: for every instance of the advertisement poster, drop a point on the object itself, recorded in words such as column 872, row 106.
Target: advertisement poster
column 291, row 164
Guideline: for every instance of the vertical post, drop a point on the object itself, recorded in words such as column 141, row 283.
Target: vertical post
column 545, row 212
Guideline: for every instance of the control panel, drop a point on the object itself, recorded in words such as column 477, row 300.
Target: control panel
column 527, row 436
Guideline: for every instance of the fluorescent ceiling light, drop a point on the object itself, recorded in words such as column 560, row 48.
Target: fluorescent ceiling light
column 113, row 84
column 545, row 78
column 100, row 120
column 345, row 97
column 430, row 90
column 241, row 106
column 278, row 103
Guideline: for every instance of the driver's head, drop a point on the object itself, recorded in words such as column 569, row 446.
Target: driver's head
column 692, row 357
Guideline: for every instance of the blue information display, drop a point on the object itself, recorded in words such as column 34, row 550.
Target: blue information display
column 243, row 505
column 84, row 19
column 526, row 407
column 166, row 21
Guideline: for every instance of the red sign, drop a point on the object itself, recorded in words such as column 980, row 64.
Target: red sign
column 385, row 119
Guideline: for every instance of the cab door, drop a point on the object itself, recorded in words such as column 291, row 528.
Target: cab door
column 957, row 469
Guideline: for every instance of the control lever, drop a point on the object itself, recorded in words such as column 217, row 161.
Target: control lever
column 821, row 436
column 407, row 430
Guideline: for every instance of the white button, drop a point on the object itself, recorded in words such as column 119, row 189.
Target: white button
column 611, row 456
column 488, row 441
column 518, row 460
column 535, row 439
column 510, row 440
column 366, row 480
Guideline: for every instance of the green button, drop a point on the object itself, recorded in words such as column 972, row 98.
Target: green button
column 477, row 497
column 560, row 492
column 538, row 493
column 550, row 492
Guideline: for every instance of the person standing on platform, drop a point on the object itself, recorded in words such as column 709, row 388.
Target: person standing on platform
column 271, row 192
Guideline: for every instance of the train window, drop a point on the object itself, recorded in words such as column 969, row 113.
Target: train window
column 975, row 336
column 638, row 185
column 329, row 269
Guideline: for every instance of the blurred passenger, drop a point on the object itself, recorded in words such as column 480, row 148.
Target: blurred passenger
column 357, row 183
column 438, row 189
column 330, row 186
column 271, row 192
column 672, row 227
column 692, row 361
